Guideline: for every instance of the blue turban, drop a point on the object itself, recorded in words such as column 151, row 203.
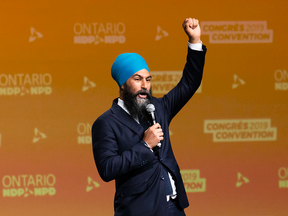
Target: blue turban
column 126, row 65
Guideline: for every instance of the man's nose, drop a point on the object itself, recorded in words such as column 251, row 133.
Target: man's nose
column 144, row 84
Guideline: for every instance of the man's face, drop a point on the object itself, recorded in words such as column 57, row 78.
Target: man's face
column 139, row 83
column 136, row 92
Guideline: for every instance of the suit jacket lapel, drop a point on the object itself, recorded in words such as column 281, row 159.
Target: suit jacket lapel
column 122, row 116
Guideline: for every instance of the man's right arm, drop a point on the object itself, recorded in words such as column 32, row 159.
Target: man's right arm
column 110, row 163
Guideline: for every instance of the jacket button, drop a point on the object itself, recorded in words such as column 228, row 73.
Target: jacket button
column 162, row 177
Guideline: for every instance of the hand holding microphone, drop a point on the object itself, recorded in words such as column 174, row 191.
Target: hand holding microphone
column 154, row 134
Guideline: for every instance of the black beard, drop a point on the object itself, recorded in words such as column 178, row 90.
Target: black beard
column 135, row 108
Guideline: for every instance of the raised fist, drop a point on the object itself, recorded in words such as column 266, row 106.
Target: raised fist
column 192, row 28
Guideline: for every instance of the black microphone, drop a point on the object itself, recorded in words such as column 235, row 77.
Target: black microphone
column 150, row 109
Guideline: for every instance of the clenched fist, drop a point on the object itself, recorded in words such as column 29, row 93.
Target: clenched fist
column 192, row 28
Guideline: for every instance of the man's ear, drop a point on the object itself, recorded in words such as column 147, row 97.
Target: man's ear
column 121, row 92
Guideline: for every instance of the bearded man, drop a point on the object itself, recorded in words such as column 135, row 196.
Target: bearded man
column 126, row 142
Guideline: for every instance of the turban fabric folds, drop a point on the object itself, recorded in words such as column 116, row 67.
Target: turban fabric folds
column 126, row 65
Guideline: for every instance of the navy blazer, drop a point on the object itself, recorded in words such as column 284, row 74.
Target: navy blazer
column 120, row 153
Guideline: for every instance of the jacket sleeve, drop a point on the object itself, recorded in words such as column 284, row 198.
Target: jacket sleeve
column 110, row 163
column 174, row 100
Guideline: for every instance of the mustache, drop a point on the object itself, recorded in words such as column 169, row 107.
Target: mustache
column 143, row 91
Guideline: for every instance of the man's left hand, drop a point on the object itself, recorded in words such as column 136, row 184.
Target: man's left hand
column 192, row 28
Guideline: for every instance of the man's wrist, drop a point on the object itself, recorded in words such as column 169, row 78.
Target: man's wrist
column 194, row 41
column 147, row 145
column 197, row 46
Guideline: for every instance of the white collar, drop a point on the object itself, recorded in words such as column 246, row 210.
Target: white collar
column 122, row 105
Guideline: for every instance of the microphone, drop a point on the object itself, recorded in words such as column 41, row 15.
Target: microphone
column 150, row 108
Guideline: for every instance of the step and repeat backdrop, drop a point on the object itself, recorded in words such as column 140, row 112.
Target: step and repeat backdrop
column 231, row 139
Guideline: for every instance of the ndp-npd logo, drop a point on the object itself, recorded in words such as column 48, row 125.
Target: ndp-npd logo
column 23, row 84
column 281, row 80
column 95, row 33
column 28, row 185
column 84, row 133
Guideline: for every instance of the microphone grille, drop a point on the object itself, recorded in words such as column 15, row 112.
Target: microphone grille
column 150, row 108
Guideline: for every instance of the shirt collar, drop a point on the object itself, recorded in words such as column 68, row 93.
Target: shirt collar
column 122, row 105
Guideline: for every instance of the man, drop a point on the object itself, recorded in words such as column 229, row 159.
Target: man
column 125, row 145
